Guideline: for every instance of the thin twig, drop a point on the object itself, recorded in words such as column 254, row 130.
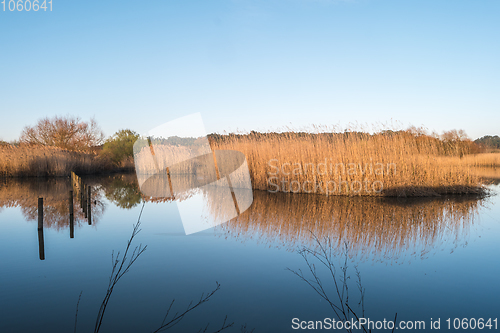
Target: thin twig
column 178, row 317
column 76, row 313
column 395, row 318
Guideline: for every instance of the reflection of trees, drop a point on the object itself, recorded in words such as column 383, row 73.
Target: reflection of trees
column 385, row 228
column 123, row 191
column 120, row 189
column 24, row 193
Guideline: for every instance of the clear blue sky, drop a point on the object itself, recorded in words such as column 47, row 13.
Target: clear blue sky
column 253, row 65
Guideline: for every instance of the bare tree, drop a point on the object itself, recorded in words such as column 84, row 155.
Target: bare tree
column 455, row 135
column 64, row 132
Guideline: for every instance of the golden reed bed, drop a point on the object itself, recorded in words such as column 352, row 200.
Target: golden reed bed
column 403, row 163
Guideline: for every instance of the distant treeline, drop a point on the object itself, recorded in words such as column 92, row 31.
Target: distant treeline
column 489, row 142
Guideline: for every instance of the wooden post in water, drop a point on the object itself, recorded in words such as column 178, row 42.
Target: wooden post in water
column 41, row 246
column 71, row 216
column 89, row 207
column 84, row 203
column 80, row 185
column 40, row 213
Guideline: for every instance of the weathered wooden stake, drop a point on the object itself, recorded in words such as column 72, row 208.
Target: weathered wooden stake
column 71, row 216
column 80, row 185
column 89, row 207
column 84, row 203
column 40, row 213
column 41, row 246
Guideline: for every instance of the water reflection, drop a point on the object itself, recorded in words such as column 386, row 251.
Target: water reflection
column 373, row 227
column 24, row 193
column 123, row 191
column 380, row 228
column 488, row 174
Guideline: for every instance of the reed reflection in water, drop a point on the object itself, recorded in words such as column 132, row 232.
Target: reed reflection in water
column 490, row 175
column 376, row 228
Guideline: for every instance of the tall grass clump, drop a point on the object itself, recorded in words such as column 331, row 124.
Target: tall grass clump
column 357, row 163
column 43, row 161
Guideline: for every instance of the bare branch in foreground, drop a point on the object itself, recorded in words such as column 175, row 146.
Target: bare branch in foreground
column 120, row 266
column 324, row 255
column 177, row 317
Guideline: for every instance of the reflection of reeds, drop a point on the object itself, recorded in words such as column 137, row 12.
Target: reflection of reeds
column 406, row 163
column 47, row 161
column 371, row 226
column 157, row 187
column 490, row 175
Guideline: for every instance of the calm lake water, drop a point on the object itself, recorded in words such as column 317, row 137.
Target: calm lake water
column 420, row 258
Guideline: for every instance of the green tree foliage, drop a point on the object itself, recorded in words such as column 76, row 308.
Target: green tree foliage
column 488, row 141
column 120, row 146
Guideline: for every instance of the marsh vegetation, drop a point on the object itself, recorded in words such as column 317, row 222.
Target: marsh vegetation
column 353, row 162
